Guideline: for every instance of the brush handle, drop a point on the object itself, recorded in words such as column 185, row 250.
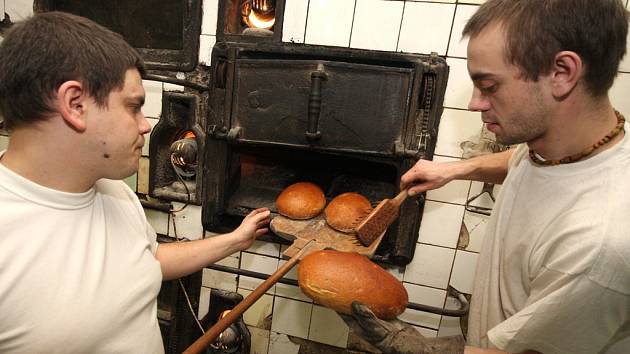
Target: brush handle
column 400, row 198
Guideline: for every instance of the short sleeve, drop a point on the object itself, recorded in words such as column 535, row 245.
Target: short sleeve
column 549, row 325
column 151, row 236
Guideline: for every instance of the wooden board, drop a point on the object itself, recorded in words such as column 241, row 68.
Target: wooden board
column 316, row 229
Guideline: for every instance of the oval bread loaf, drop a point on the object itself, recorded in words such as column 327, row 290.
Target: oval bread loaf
column 302, row 200
column 335, row 279
column 346, row 210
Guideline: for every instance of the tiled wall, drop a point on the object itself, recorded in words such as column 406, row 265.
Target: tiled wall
column 408, row 26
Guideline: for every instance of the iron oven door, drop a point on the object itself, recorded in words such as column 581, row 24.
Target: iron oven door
column 353, row 107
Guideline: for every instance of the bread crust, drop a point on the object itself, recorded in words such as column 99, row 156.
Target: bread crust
column 345, row 211
column 335, row 279
column 301, row 201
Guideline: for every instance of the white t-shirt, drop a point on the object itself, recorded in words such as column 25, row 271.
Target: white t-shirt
column 554, row 271
column 77, row 270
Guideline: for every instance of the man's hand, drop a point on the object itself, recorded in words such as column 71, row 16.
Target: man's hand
column 427, row 175
column 397, row 337
column 253, row 226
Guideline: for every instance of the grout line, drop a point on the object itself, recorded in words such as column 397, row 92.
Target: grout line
column 308, row 6
column 402, row 18
column 450, row 33
column 354, row 12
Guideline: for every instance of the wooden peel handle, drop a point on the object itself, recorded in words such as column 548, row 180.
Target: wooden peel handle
column 202, row 342
column 401, row 196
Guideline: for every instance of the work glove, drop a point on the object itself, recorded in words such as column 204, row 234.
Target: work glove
column 397, row 337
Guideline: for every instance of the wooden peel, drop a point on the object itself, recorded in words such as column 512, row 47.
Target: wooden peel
column 377, row 222
column 305, row 247
column 318, row 229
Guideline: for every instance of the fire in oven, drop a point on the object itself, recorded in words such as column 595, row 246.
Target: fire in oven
column 347, row 120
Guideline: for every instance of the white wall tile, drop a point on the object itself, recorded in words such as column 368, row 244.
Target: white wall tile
column 459, row 88
column 426, row 27
column 18, row 10
column 327, row 327
column 256, row 263
column 464, row 271
column 131, row 181
column 329, row 22
column 173, row 87
column 476, row 227
column 456, row 127
column 271, row 249
column 427, row 333
column 257, row 313
column 221, row 280
column 147, row 137
column 450, row 326
column 281, row 344
column 209, row 20
column 158, row 220
column 291, row 291
column 143, row 176
column 1, row 13
column 291, row 317
column 421, row 318
column 294, row 25
column 425, row 296
column 186, row 222
column 4, row 142
column 204, row 302
column 206, row 42
column 260, row 340
column 457, row 45
column 453, row 192
column 619, row 94
column 153, row 99
column 441, row 223
column 376, row 24
column 431, row 266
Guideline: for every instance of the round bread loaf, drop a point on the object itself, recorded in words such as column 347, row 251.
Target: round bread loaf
column 346, row 210
column 302, row 200
column 335, row 279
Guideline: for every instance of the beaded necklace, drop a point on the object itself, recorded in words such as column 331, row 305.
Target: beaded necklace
column 579, row 156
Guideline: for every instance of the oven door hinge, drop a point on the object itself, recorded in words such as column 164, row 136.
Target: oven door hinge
column 423, row 142
column 231, row 136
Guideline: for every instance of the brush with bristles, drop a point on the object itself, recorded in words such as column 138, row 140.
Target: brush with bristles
column 379, row 219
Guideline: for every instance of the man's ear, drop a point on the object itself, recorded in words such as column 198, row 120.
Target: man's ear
column 567, row 71
column 71, row 102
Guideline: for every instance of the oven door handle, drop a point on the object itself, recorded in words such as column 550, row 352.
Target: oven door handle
column 315, row 103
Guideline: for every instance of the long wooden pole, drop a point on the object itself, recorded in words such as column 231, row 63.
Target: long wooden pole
column 202, row 342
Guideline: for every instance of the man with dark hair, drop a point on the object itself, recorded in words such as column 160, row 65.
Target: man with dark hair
column 553, row 275
column 80, row 268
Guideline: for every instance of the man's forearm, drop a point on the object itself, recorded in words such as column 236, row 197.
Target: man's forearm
column 490, row 168
column 178, row 259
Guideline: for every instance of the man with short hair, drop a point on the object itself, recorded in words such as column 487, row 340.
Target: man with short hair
column 80, row 268
column 553, row 275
